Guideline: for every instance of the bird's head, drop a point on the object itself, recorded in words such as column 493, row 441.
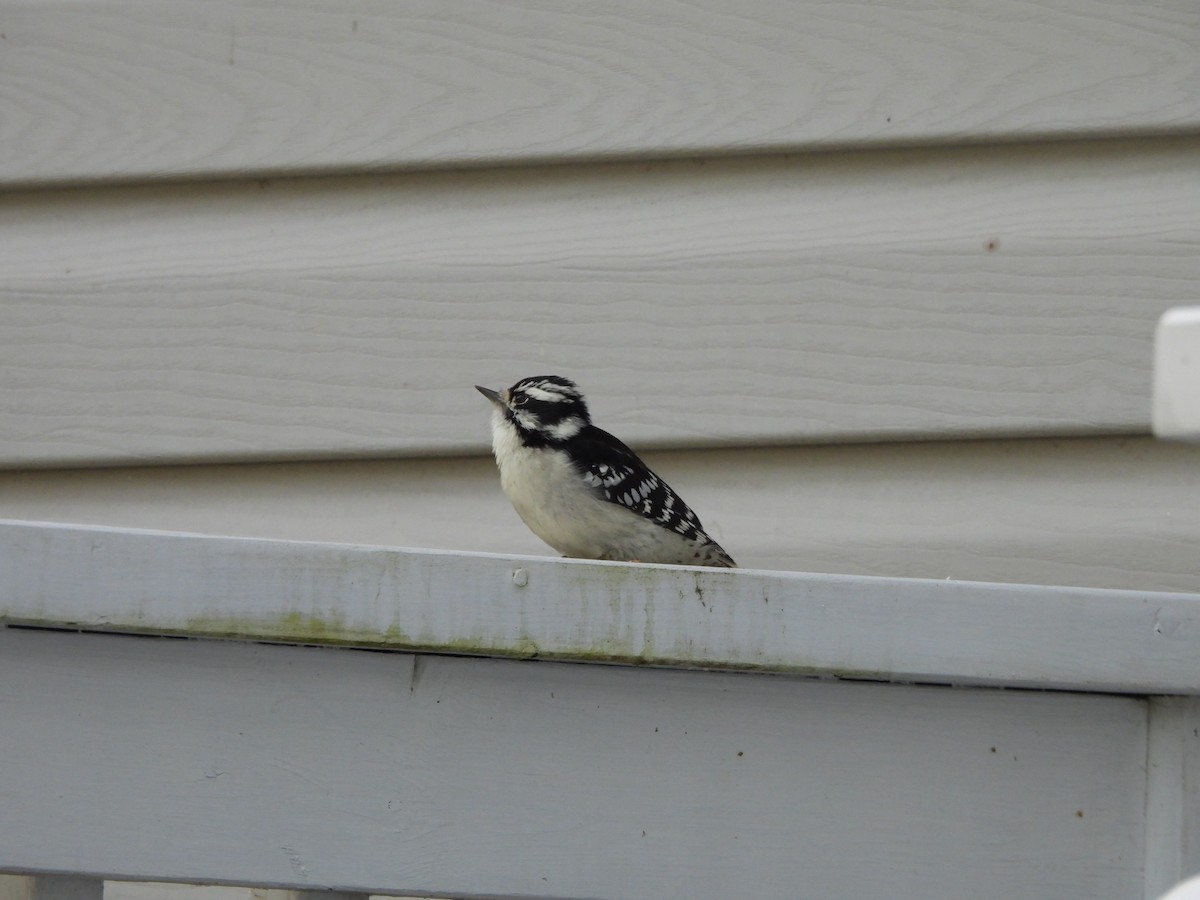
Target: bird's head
column 545, row 409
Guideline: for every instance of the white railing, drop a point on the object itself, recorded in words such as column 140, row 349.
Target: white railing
column 878, row 756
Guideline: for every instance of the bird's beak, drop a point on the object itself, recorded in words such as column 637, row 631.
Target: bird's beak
column 494, row 396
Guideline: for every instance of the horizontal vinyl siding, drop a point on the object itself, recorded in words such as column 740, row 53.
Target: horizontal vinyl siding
column 842, row 297
column 131, row 89
column 1106, row 513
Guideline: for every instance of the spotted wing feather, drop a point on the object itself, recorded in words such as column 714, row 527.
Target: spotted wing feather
column 619, row 476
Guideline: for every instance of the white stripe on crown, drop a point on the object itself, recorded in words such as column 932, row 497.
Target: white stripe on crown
column 548, row 392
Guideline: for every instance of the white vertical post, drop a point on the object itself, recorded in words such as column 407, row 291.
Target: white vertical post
column 1172, row 793
column 1177, row 374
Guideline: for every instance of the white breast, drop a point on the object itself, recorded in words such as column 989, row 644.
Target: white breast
column 553, row 500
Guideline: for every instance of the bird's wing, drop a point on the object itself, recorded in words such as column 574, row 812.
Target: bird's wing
column 617, row 474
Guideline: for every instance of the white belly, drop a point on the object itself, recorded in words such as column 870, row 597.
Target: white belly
column 553, row 500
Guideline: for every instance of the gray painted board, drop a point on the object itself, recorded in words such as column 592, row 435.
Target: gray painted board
column 309, row 767
column 67, row 887
column 23, row 887
column 885, row 629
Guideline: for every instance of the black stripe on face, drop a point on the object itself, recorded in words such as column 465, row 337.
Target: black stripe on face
column 542, row 422
column 546, row 410
column 550, row 388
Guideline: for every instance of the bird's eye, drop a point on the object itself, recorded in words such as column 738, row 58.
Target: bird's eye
column 520, row 400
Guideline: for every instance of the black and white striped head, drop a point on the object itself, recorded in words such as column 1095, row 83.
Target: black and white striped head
column 545, row 409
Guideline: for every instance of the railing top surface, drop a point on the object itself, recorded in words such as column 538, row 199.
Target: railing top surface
column 904, row 630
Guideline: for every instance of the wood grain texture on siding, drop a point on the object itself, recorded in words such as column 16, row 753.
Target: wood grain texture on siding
column 999, row 291
column 460, row 777
column 131, row 88
column 1101, row 513
column 904, row 630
